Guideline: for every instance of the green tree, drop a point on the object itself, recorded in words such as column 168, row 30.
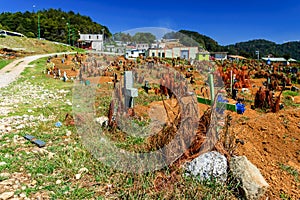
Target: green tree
column 140, row 37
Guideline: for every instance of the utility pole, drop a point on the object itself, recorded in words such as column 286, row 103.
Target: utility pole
column 69, row 38
column 39, row 28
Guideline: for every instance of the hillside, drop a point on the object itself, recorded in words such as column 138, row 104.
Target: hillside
column 32, row 45
column 265, row 47
column 55, row 25
column 247, row 49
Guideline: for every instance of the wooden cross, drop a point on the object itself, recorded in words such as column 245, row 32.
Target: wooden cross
column 231, row 107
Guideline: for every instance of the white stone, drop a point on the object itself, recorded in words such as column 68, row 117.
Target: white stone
column 58, row 182
column 21, row 126
column 2, row 163
column 252, row 182
column 5, row 175
column 6, row 195
column 68, row 133
column 78, row 176
column 103, row 120
column 211, row 165
column 82, row 170
column 22, row 195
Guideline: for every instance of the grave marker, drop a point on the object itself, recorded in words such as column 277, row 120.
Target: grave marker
column 129, row 91
column 210, row 101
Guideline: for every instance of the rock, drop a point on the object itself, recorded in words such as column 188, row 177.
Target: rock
column 4, row 175
column 252, row 182
column 68, row 133
column 8, row 182
column 209, row 165
column 2, row 163
column 6, row 195
column 77, row 176
column 22, row 195
column 103, row 121
column 82, row 170
column 58, row 182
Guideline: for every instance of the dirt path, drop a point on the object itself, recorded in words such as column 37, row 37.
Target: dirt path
column 10, row 73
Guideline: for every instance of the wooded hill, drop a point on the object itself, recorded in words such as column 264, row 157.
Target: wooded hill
column 55, row 24
column 247, row 49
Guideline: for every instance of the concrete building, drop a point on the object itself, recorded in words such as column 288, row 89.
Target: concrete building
column 203, row 56
column 218, row 55
column 182, row 52
column 134, row 53
column 91, row 41
column 283, row 61
column 142, row 46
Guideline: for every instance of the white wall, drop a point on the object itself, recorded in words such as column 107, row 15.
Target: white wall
column 91, row 37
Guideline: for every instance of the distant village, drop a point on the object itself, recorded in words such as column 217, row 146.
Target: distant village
column 163, row 48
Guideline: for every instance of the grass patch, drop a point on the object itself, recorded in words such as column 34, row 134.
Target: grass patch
column 54, row 168
column 290, row 170
column 3, row 63
column 290, row 93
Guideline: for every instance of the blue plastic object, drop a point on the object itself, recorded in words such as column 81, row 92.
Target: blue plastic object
column 220, row 99
column 240, row 108
column 58, row 124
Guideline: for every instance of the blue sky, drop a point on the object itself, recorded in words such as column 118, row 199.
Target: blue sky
column 225, row 21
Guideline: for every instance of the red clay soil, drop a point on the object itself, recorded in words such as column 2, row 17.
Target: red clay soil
column 272, row 141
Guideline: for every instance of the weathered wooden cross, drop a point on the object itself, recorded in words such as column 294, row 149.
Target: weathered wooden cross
column 231, row 107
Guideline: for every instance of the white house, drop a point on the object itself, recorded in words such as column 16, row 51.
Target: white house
column 93, row 41
column 142, row 46
column 218, row 55
column 134, row 53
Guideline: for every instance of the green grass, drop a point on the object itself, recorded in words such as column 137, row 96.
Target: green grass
column 33, row 45
column 65, row 155
column 3, row 63
column 290, row 93
column 290, row 170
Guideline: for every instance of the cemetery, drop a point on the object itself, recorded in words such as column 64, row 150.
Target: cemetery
column 155, row 92
column 223, row 113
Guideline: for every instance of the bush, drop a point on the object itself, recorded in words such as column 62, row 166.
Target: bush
column 290, row 93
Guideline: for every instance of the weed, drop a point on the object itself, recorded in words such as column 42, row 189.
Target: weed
column 3, row 63
column 64, row 156
column 290, row 93
column 290, row 170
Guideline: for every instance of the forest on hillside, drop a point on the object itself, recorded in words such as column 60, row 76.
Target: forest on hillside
column 55, row 25
column 61, row 26
column 248, row 49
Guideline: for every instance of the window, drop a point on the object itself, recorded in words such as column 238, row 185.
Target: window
column 89, row 37
column 153, row 54
column 159, row 54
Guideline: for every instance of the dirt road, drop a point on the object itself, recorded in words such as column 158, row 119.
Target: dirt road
column 10, row 73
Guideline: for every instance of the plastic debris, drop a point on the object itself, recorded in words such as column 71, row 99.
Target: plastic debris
column 35, row 141
column 58, row 124
column 240, row 108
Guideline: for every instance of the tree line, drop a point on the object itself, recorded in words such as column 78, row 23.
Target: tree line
column 55, row 24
